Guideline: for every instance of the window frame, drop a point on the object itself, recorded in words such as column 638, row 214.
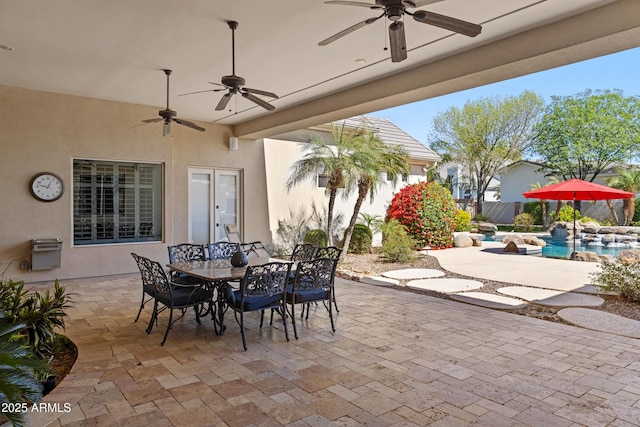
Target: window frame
column 116, row 202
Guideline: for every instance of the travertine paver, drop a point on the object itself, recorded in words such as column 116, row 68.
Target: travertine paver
column 489, row 300
column 413, row 273
column 552, row 298
column 601, row 321
column 397, row 358
column 445, row 285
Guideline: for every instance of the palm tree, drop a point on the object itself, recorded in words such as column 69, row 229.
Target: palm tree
column 375, row 164
column 627, row 180
column 331, row 158
column 543, row 202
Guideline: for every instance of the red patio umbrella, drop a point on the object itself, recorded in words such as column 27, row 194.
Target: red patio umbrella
column 577, row 189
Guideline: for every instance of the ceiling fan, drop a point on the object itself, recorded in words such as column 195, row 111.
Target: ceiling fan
column 169, row 115
column 394, row 10
column 234, row 84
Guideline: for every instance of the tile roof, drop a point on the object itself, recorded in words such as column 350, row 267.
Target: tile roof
column 392, row 134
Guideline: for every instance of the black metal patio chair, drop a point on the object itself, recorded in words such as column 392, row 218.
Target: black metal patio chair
column 313, row 282
column 262, row 288
column 185, row 252
column 174, row 296
column 148, row 288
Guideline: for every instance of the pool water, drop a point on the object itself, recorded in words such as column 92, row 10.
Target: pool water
column 560, row 249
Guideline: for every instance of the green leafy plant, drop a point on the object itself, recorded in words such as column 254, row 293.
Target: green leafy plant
column 428, row 212
column 316, row 238
column 524, row 222
column 535, row 210
column 481, row 218
column 361, row 239
column 618, row 277
column 19, row 383
column 397, row 245
column 589, row 219
column 373, row 221
column 462, row 220
column 41, row 314
column 566, row 214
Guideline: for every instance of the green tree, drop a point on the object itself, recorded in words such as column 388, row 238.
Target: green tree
column 543, row 203
column 627, row 180
column 330, row 157
column 375, row 165
column 581, row 135
column 486, row 134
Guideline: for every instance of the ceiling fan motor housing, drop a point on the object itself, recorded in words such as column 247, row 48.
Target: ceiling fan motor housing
column 167, row 113
column 233, row 81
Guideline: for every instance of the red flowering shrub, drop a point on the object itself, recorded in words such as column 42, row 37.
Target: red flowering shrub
column 428, row 212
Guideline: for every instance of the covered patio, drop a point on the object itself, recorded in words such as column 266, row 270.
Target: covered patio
column 397, row 358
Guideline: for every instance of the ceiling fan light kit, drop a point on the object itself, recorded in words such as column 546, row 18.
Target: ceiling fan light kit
column 168, row 115
column 394, row 10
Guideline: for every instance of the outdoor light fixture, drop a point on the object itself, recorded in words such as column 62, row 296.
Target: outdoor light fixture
column 233, row 143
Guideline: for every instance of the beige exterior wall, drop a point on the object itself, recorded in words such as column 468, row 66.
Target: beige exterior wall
column 280, row 155
column 45, row 131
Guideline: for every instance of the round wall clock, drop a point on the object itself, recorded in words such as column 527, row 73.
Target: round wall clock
column 46, row 186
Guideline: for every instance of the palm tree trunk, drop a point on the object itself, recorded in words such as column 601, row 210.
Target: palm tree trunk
column 332, row 201
column 363, row 190
column 613, row 212
column 626, row 207
column 557, row 214
column 544, row 212
column 632, row 209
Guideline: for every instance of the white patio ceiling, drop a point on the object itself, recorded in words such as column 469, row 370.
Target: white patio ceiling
column 116, row 49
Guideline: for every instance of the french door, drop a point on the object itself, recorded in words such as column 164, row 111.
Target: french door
column 214, row 200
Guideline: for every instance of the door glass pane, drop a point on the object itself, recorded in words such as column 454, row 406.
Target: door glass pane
column 226, row 201
column 200, row 207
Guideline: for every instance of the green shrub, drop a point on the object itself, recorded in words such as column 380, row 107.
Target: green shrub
column 361, row 239
column 463, row 218
column 481, row 218
column 428, row 212
column 524, row 222
column 589, row 219
column 42, row 314
column 316, row 238
column 535, row 210
column 623, row 279
column 397, row 246
column 566, row 214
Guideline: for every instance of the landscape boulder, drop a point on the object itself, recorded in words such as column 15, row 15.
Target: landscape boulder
column 477, row 241
column 515, row 238
column 629, row 256
column 487, row 227
column 585, row 256
column 534, row 241
column 590, row 227
column 512, row 248
column 462, row 241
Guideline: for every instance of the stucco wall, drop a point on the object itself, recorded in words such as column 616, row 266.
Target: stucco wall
column 517, row 180
column 280, row 155
column 44, row 131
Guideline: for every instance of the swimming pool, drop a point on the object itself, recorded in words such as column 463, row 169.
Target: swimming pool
column 562, row 249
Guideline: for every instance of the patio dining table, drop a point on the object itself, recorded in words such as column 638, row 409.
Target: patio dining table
column 219, row 273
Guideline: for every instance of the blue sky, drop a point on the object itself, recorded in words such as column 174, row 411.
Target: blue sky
column 616, row 71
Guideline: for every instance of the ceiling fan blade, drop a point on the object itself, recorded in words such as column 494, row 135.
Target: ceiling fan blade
column 189, row 124
column 200, row 91
column 217, row 84
column 258, row 101
column 356, row 3
column 397, row 41
column 419, row 3
column 159, row 119
column 447, row 22
column 348, row 30
column 224, row 101
column 261, row 92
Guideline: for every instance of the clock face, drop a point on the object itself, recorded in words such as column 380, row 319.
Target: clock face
column 47, row 187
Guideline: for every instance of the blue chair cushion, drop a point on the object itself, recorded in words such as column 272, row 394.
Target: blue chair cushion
column 307, row 295
column 233, row 298
column 186, row 296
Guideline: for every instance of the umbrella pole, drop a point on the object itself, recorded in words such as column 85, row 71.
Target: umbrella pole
column 574, row 222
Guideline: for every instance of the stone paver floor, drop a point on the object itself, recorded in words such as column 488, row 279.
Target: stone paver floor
column 398, row 358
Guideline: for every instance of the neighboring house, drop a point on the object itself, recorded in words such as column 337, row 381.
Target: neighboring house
column 462, row 187
column 518, row 177
column 283, row 151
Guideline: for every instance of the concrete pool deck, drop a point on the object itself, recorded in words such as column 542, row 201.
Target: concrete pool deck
column 485, row 262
